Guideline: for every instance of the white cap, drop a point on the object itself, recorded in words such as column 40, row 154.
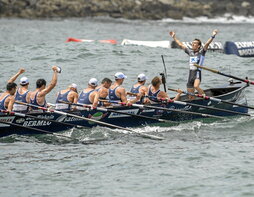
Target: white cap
column 73, row 85
column 142, row 77
column 120, row 75
column 93, row 82
column 24, row 81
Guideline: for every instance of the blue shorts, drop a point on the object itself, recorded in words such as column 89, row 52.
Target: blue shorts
column 193, row 75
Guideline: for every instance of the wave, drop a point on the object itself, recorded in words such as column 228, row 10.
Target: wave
column 227, row 18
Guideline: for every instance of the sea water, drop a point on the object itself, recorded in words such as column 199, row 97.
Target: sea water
column 197, row 158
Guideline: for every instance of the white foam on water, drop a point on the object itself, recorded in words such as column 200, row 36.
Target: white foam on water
column 190, row 126
column 227, row 18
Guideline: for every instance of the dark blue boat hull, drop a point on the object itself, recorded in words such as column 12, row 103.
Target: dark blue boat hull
column 230, row 93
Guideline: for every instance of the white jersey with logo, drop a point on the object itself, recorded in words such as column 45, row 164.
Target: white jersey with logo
column 195, row 57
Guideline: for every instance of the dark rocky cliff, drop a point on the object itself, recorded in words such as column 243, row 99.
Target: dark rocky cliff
column 129, row 9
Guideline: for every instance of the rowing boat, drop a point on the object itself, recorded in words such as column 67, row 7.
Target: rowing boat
column 53, row 122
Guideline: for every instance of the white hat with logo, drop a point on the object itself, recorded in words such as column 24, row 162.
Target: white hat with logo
column 73, row 85
column 24, row 81
column 120, row 75
column 142, row 77
column 93, row 82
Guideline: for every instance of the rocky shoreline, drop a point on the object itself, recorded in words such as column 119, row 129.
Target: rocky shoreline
column 128, row 9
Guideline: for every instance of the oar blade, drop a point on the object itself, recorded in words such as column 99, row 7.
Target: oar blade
column 153, row 137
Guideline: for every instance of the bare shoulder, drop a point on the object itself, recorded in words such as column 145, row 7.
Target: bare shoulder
column 121, row 89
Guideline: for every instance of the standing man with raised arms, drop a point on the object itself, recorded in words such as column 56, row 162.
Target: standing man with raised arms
column 197, row 56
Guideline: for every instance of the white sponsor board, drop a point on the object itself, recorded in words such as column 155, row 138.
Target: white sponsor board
column 163, row 43
column 129, row 111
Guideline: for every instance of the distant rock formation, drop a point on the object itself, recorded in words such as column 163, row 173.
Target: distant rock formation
column 129, row 9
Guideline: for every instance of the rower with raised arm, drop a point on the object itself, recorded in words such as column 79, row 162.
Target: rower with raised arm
column 89, row 96
column 68, row 95
column 22, row 94
column 155, row 94
column 38, row 97
column 197, row 56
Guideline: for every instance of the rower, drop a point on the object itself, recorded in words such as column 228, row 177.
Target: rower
column 7, row 98
column 155, row 94
column 116, row 91
column 89, row 96
column 37, row 97
column 139, row 89
column 69, row 95
column 103, row 90
column 22, row 94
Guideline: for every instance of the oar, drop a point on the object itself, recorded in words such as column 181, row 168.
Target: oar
column 203, row 106
column 226, row 75
column 213, row 99
column 163, row 79
column 118, row 112
column 34, row 117
column 96, row 121
column 167, row 109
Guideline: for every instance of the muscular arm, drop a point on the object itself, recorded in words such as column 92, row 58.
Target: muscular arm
column 10, row 104
column 28, row 97
column 162, row 95
column 177, row 97
column 95, row 99
column 75, row 97
column 210, row 39
column 52, row 83
column 143, row 90
column 178, row 42
column 72, row 97
column 122, row 93
column 14, row 77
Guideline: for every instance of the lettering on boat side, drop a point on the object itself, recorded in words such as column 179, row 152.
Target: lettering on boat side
column 46, row 117
column 20, row 120
column 148, row 110
column 6, row 119
column 36, row 123
column 117, row 115
column 70, row 119
column 185, row 108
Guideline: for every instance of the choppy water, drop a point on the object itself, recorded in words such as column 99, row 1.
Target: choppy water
column 195, row 159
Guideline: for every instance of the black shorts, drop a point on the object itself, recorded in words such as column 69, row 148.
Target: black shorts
column 193, row 74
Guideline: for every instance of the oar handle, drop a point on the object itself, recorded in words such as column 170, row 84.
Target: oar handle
column 175, row 90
